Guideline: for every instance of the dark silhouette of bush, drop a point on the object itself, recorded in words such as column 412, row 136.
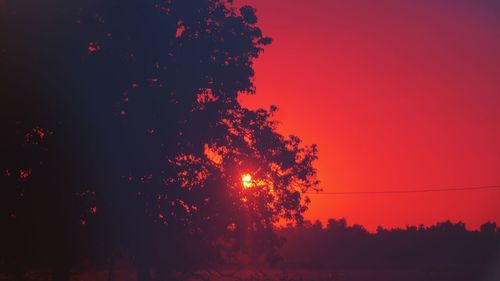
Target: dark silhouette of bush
column 443, row 245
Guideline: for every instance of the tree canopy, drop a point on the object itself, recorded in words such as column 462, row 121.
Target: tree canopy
column 124, row 135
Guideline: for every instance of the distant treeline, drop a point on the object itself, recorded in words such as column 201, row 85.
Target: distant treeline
column 338, row 245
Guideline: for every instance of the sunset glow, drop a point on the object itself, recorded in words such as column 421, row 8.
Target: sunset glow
column 397, row 95
column 262, row 140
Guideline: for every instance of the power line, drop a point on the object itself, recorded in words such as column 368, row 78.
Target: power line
column 407, row 191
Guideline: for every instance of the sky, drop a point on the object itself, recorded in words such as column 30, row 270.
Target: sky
column 397, row 95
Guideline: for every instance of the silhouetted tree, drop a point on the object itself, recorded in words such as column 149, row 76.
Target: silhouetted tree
column 489, row 227
column 124, row 135
column 445, row 246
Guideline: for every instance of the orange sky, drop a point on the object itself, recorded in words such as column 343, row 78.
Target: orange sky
column 397, row 95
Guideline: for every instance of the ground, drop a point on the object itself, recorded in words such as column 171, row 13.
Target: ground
column 291, row 274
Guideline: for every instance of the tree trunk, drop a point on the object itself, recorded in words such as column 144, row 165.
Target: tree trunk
column 18, row 273
column 60, row 274
column 111, row 269
column 143, row 273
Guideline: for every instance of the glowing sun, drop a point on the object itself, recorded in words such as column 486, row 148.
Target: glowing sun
column 246, row 180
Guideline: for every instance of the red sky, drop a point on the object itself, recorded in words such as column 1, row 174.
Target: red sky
column 397, row 95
